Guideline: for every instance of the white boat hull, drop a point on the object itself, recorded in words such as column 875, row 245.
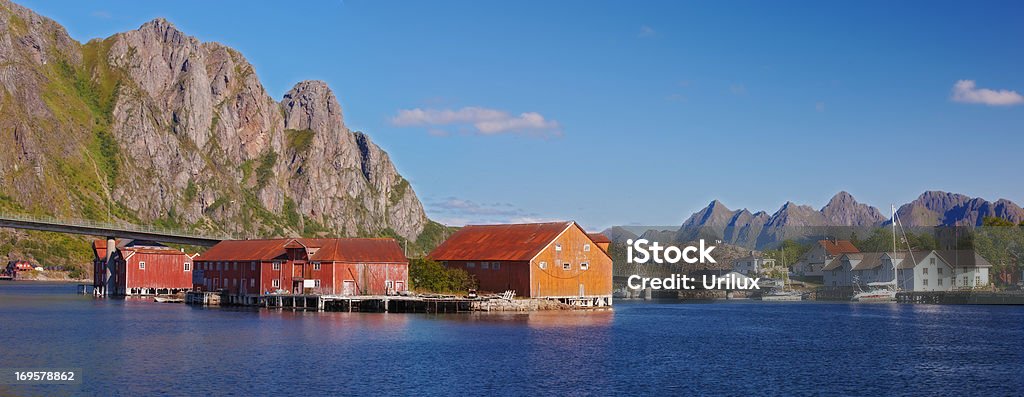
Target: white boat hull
column 875, row 296
column 782, row 298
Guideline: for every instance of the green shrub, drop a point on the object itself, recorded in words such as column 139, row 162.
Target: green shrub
column 431, row 276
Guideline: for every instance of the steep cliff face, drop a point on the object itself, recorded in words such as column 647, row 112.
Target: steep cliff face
column 153, row 126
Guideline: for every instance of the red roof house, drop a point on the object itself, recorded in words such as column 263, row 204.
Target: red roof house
column 345, row 266
column 557, row 260
column 141, row 268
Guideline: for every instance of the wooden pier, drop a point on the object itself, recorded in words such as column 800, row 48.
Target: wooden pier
column 367, row 303
column 962, row 297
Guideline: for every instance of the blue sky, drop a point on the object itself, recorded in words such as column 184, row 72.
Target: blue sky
column 617, row 112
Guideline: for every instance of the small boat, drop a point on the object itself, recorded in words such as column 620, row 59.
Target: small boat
column 782, row 296
column 880, row 292
column 168, row 299
column 885, row 291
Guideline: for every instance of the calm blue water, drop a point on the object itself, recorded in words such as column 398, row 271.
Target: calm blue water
column 137, row 347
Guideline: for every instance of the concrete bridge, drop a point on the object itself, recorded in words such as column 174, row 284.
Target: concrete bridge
column 109, row 230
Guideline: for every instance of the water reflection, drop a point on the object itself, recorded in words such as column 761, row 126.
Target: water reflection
column 137, row 347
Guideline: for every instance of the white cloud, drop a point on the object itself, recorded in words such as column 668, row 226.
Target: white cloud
column 482, row 121
column 459, row 212
column 966, row 91
column 646, row 31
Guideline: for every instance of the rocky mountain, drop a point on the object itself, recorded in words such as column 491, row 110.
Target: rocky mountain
column 934, row 208
column 840, row 216
column 759, row 230
column 619, row 234
column 156, row 127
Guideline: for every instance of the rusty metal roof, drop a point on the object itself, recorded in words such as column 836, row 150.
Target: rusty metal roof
column 513, row 242
column 361, row 250
column 370, row 250
column 838, row 247
column 599, row 238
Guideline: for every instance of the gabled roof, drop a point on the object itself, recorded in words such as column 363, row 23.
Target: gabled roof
column 868, row 260
column 838, row 247
column 963, row 258
column 366, row 250
column 511, row 242
column 99, row 247
column 599, row 238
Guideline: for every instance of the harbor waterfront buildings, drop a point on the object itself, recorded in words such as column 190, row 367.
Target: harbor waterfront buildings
column 140, row 267
column 556, row 260
column 319, row 266
column 928, row 270
column 820, row 255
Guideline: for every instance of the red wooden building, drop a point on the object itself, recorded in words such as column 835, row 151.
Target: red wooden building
column 342, row 266
column 539, row 260
column 141, row 268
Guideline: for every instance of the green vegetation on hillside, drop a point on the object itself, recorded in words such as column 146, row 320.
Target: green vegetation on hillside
column 881, row 241
column 299, row 140
column 793, row 251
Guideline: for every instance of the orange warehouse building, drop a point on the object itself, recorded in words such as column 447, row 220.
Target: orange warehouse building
column 539, row 260
column 341, row 266
column 141, row 268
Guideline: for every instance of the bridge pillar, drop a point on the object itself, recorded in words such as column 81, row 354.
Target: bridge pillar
column 111, row 275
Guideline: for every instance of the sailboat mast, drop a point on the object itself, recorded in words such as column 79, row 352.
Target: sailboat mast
column 895, row 270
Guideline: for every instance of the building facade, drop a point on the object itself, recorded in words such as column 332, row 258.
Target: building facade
column 538, row 260
column 141, row 268
column 344, row 266
column 754, row 265
column 934, row 270
column 822, row 254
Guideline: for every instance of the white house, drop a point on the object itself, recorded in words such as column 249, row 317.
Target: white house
column 943, row 270
column 754, row 265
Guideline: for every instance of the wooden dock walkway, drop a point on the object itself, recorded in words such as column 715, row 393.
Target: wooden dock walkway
column 367, row 303
column 963, row 297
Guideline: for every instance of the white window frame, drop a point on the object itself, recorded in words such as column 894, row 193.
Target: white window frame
column 566, row 266
column 558, row 247
column 543, row 265
column 142, row 265
column 584, row 266
column 277, row 265
column 316, row 283
column 252, row 282
column 586, row 247
column 316, row 266
column 276, row 283
column 188, row 266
